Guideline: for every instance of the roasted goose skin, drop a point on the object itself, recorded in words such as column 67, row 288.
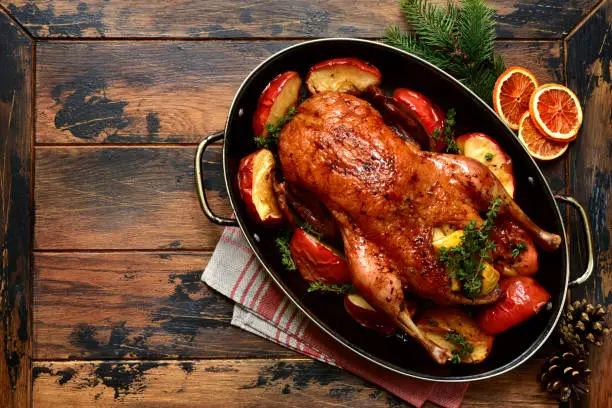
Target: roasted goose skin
column 338, row 147
column 387, row 196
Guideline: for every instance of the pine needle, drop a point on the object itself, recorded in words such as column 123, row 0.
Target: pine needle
column 459, row 40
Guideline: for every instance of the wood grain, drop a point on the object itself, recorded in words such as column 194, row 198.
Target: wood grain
column 252, row 383
column 177, row 92
column 245, row 19
column 589, row 70
column 134, row 305
column 152, row 92
column 124, row 198
column 15, row 152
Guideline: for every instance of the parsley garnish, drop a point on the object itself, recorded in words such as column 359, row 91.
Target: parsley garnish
column 489, row 156
column 274, row 130
column 465, row 262
column 282, row 243
column 323, row 287
column 436, row 133
column 517, row 248
column 464, row 348
column 310, row 230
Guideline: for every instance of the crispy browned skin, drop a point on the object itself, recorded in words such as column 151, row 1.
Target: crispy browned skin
column 338, row 147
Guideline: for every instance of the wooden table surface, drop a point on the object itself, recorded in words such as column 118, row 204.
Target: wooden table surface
column 101, row 105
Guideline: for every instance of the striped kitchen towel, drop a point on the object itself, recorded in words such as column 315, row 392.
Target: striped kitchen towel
column 261, row 308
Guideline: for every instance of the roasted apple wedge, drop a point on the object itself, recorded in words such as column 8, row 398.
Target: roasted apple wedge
column 256, row 186
column 486, row 150
column 515, row 254
column 364, row 314
column 317, row 261
column 350, row 75
column 430, row 115
column 280, row 95
column 454, row 330
column 522, row 297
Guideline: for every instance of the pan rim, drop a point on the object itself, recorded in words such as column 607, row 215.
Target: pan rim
column 517, row 361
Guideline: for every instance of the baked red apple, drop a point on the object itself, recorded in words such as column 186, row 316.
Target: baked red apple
column 486, row 150
column 317, row 261
column 522, row 297
column 364, row 314
column 527, row 261
column 280, row 95
column 429, row 114
column 256, row 186
column 350, row 75
column 456, row 331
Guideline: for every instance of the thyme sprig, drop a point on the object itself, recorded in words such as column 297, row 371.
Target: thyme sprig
column 465, row 262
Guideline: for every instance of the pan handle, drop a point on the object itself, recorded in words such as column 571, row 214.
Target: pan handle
column 589, row 239
column 200, row 182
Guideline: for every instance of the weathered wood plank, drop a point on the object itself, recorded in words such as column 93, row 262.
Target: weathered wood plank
column 134, row 305
column 149, row 92
column 124, row 198
column 242, row 19
column 253, row 383
column 15, row 162
column 589, row 70
column 156, row 92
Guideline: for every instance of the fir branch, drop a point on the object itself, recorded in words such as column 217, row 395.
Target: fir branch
column 395, row 37
column 477, row 29
column 436, row 28
column 456, row 39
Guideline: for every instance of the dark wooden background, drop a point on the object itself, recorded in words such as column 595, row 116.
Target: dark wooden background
column 101, row 106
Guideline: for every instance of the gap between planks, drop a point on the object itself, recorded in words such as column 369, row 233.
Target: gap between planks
column 175, row 360
column 247, row 39
column 584, row 20
column 205, row 251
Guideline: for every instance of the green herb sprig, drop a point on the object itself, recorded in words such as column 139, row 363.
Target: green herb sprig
column 489, row 156
column 517, row 248
column 464, row 347
column 274, row 130
column 282, row 244
column 457, row 39
column 310, row 230
column 448, row 132
column 318, row 286
column 465, row 262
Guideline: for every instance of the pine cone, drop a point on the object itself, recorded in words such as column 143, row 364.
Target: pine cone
column 581, row 323
column 564, row 375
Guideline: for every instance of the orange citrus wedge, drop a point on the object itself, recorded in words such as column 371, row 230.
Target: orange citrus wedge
column 556, row 111
column 538, row 145
column 511, row 94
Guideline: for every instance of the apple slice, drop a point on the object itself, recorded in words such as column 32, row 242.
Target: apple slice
column 350, row 75
column 429, row 114
column 444, row 325
column 486, row 150
column 317, row 261
column 256, row 186
column 364, row 314
column 280, row 95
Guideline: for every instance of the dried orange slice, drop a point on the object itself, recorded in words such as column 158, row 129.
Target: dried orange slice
column 538, row 145
column 512, row 93
column 556, row 111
